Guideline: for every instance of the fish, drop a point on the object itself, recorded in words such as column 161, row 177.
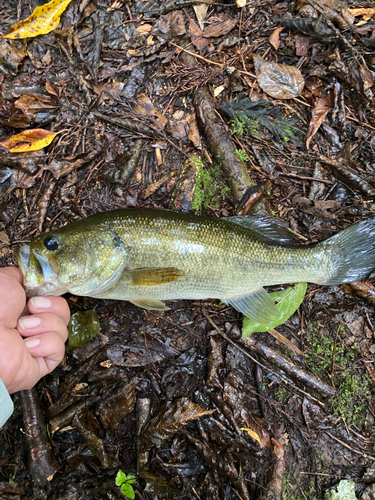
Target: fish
column 148, row 256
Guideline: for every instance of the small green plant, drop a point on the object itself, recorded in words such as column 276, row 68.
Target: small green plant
column 125, row 482
column 241, row 153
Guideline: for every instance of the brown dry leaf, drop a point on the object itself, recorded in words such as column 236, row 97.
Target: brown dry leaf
column 144, row 29
column 322, row 107
column 118, row 403
column 43, row 20
column 31, row 105
column 196, row 35
column 171, row 25
column 12, row 53
column 194, row 135
column 302, row 45
column 170, row 419
column 145, row 107
column 274, row 39
column 280, row 81
column 29, row 140
column 220, row 29
column 366, row 13
column 25, row 180
column 201, row 11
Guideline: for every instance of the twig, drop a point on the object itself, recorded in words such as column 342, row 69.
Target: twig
column 306, row 178
column 211, row 62
column 358, row 452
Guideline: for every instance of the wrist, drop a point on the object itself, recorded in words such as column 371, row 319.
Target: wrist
column 6, row 404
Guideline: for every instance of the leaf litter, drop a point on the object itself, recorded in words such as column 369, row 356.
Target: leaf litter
column 164, row 396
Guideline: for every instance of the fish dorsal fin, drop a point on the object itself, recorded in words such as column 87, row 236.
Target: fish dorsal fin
column 152, row 305
column 153, row 276
column 268, row 227
column 257, row 305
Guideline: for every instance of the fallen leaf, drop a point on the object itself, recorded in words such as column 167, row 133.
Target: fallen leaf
column 220, row 29
column 302, row 45
column 171, row 418
column 144, row 29
column 201, row 11
column 240, row 3
column 280, row 81
column 274, row 39
column 83, row 326
column 366, row 13
column 145, row 108
column 43, row 20
column 323, row 106
column 251, row 433
column 287, row 303
column 29, row 140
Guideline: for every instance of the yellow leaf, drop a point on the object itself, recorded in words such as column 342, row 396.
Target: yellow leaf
column 29, row 140
column 43, row 20
column 251, row 433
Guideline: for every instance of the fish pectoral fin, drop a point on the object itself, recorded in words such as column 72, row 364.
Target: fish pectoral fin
column 154, row 276
column 152, row 305
column 257, row 305
column 268, row 227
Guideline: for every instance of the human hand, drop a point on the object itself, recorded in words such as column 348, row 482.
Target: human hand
column 31, row 346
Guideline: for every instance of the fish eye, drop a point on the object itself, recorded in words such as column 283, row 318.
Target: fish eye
column 51, row 242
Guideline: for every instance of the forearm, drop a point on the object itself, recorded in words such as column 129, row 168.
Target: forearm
column 6, row 404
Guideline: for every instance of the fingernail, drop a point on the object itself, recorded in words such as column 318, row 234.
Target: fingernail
column 40, row 302
column 29, row 322
column 31, row 343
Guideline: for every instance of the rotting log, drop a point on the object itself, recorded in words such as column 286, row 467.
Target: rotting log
column 221, row 145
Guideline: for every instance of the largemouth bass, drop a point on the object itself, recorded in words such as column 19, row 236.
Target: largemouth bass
column 147, row 256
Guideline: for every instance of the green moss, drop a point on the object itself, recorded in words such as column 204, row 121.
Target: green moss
column 351, row 396
column 282, row 395
column 211, row 188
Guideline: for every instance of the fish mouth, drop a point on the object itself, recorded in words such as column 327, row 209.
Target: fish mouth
column 23, row 257
column 39, row 273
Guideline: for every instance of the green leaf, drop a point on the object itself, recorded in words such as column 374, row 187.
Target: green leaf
column 127, row 490
column 287, row 303
column 83, row 326
column 131, row 478
column 120, row 478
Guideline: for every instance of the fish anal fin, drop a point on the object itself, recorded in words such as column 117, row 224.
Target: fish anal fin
column 152, row 305
column 154, row 276
column 257, row 305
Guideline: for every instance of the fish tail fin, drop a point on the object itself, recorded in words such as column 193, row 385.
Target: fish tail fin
column 352, row 253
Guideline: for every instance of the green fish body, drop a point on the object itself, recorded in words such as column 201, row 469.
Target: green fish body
column 147, row 256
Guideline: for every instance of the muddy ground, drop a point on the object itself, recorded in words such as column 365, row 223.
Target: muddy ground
column 161, row 104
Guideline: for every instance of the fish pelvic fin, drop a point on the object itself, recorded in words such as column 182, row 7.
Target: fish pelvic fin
column 352, row 253
column 257, row 305
column 151, row 305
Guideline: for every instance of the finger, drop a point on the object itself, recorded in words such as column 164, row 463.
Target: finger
column 12, row 296
column 29, row 326
column 48, row 349
column 13, row 272
column 56, row 305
